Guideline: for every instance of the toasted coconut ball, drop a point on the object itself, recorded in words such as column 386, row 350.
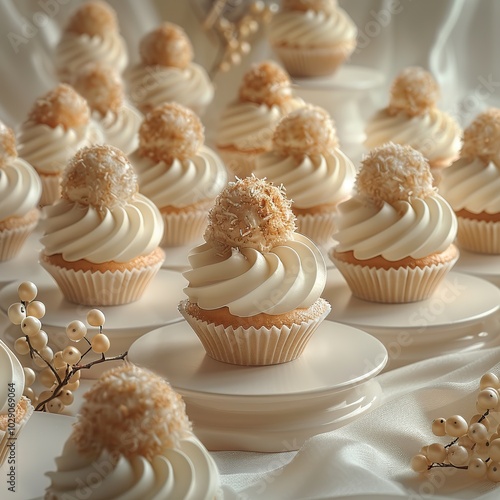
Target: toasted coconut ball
column 132, row 412
column 101, row 86
column 393, row 172
column 414, row 91
column 307, row 131
column 167, row 45
column 99, row 176
column 8, row 149
column 482, row 137
column 250, row 213
column 266, row 83
column 93, row 18
column 61, row 106
column 305, row 5
column 170, row 131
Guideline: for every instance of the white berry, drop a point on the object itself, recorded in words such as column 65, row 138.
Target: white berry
column 27, row 291
column 489, row 380
column 419, row 463
column 21, row 346
column 73, row 386
column 477, row 468
column 39, row 340
column 30, row 325
column 76, row 331
column 29, row 393
column 47, row 353
column 487, row 399
column 71, row 355
column 47, row 377
column 36, row 309
column 495, row 450
column 29, row 376
column 478, row 433
column 456, row 426
column 58, row 361
column 16, row 313
column 39, row 361
column 54, row 406
column 66, row 397
column 493, row 472
column 436, row 452
column 95, row 317
column 100, row 343
column 458, row 455
column 439, row 427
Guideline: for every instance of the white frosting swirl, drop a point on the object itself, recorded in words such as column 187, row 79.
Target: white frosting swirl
column 249, row 282
column 311, row 28
column 11, row 372
column 20, row 189
column 414, row 229
column 186, row 473
column 49, row 149
column 121, row 129
column 435, row 134
column 310, row 181
column 120, row 234
column 74, row 51
column 150, row 86
column 182, row 183
column 472, row 185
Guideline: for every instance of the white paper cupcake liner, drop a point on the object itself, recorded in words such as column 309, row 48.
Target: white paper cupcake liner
column 478, row 235
column 110, row 288
column 239, row 164
column 12, row 240
column 314, row 61
column 393, row 285
column 317, row 227
column 183, row 228
column 51, row 189
column 253, row 346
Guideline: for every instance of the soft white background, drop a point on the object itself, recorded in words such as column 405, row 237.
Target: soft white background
column 458, row 41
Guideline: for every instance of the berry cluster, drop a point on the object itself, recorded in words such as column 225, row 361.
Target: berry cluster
column 476, row 443
column 59, row 371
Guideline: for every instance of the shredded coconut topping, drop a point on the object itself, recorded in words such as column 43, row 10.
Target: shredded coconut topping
column 250, row 213
column 61, row 106
column 132, row 412
column 393, row 172
column 101, row 86
column 307, row 131
column 8, row 149
column 170, row 131
column 482, row 137
column 326, row 6
column 99, row 176
column 414, row 91
column 167, row 45
column 266, row 83
column 93, row 18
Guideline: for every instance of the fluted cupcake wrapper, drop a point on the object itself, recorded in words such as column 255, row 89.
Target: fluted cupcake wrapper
column 110, row 288
column 253, row 346
column 183, row 228
column 51, row 189
column 478, row 235
column 393, row 285
column 317, row 227
column 12, row 240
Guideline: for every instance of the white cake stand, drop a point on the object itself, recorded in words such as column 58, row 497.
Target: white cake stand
column 268, row 408
column 485, row 266
column 462, row 314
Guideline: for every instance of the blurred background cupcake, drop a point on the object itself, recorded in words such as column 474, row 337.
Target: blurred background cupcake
column 177, row 171
column 316, row 175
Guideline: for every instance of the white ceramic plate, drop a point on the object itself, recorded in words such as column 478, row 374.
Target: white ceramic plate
column 481, row 265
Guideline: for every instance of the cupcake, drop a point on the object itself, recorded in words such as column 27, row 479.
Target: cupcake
column 316, row 175
column 20, row 192
column 395, row 235
column 91, row 35
column 254, row 286
column 133, row 439
column 312, row 37
column 102, row 87
column 178, row 172
column 15, row 409
column 100, row 240
column 57, row 126
column 247, row 124
column 471, row 185
column 167, row 72
column 412, row 118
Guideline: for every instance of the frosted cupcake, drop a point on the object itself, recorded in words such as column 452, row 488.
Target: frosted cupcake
column 103, row 90
column 178, row 172
column 101, row 239
column 91, row 35
column 472, row 185
column 20, row 192
column 254, row 286
column 133, row 440
column 15, row 409
column 167, row 72
column 57, row 126
column 395, row 235
column 316, row 175
column 413, row 118
column 312, row 37
column 246, row 126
